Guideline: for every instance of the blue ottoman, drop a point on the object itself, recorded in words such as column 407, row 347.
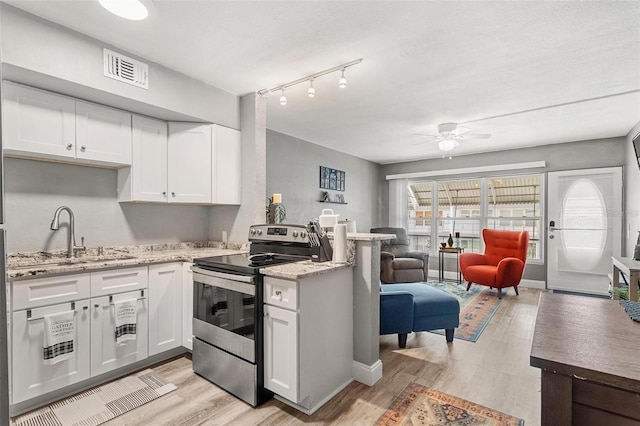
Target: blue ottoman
column 417, row 307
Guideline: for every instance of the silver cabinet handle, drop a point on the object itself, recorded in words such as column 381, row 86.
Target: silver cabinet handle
column 84, row 308
column 173, row 194
column 164, row 193
column 69, row 146
column 83, row 148
column 96, row 306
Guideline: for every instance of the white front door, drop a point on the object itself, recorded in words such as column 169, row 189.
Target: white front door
column 584, row 228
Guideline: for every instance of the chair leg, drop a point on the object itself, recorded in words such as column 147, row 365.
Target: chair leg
column 469, row 286
column 499, row 293
column 449, row 334
column 515, row 287
column 402, row 340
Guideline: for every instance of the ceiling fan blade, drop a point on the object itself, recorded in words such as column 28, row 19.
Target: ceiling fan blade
column 459, row 130
column 476, row 136
column 434, row 138
column 425, row 135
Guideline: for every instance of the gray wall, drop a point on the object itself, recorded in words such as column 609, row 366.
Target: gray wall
column 34, row 189
column 631, row 195
column 566, row 156
column 39, row 53
column 293, row 170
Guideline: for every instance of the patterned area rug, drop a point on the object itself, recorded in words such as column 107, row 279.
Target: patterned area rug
column 419, row 405
column 100, row 404
column 477, row 306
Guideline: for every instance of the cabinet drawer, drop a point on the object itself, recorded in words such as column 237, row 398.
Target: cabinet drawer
column 279, row 292
column 50, row 290
column 119, row 281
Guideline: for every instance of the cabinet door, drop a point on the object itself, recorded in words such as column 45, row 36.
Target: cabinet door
column 281, row 352
column 189, row 163
column 106, row 354
column 149, row 160
column 103, row 134
column 38, row 123
column 187, row 306
column 226, row 166
column 165, row 307
column 30, row 376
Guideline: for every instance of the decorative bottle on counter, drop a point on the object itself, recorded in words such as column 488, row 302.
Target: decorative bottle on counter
column 450, row 241
column 636, row 252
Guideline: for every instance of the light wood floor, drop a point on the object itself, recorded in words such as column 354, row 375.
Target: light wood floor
column 493, row 372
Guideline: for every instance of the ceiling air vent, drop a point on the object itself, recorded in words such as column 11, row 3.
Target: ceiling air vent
column 123, row 68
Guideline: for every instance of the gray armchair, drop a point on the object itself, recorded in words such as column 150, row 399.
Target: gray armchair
column 397, row 263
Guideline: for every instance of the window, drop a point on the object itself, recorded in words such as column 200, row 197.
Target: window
column 462, row 208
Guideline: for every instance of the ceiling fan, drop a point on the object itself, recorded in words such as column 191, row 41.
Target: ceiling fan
column 450, row 133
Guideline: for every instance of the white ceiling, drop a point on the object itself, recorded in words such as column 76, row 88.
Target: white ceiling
column 529, row 73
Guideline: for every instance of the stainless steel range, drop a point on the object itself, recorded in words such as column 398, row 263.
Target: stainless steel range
column 227, row 307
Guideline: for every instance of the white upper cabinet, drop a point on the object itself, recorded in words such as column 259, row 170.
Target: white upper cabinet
column 146, row 180
column 189, row 160
column 46, row 125
column 103, row 134
column 54, row 136
column 226, row 170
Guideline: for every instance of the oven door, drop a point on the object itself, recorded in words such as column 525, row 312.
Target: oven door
column 224, row 311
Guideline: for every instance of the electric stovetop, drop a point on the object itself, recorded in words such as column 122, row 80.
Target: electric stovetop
column 245, row 263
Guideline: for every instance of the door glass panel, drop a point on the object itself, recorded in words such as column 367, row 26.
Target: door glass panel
column 583, row 210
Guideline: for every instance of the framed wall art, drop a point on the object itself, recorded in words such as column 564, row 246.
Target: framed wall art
column 332, row 179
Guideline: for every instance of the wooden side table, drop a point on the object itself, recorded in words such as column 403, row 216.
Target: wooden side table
column 456, row 251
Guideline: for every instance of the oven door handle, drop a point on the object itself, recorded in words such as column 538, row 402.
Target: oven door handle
column 222, row 275
column 208, row 278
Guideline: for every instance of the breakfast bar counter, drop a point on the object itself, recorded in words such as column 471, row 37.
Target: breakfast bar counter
column 588, row 350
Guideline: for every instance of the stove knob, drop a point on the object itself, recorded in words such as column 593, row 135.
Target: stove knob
column 294, row 234
column 303, row 234
column 259, row 231
column 252, row 232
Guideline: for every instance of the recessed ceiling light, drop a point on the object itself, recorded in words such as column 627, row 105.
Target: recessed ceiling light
column 127, row 9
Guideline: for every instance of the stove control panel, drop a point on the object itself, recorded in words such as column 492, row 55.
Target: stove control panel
column 279, row 232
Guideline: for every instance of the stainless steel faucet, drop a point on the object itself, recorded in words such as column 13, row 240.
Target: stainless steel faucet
column 71, row 238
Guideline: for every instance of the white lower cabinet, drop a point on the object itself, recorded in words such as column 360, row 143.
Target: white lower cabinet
column 158, row 291
column 31, row 377
column 106, row 354
column 187, row 306
column 165, row 307
column 308, row 337
column 281, row 343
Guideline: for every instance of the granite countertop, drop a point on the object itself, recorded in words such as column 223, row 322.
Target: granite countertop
column 305, row 268
column 36, row 264
column 365, row 236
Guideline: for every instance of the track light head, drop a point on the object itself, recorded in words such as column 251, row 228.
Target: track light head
column 342, row 83
column 283, row 99
column 311, row 92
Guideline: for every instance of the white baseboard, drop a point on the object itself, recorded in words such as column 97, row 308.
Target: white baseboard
column 367, row 374
column 311, row 410
column 540, row 285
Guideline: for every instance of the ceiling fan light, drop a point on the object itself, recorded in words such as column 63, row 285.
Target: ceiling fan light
column 342, row 83
column 133, row 10
column 446, row 144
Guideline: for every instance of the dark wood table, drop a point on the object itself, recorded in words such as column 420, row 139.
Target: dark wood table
column 589, row 352
column 455, row 250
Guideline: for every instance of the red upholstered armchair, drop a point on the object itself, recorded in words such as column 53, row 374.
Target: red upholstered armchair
column 502, row 263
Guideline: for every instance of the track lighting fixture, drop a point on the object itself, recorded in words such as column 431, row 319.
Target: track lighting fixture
column 342, row 83
column 283, row 98
column 311, row 92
